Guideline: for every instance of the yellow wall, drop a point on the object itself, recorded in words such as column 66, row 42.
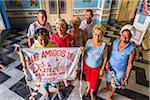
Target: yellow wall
column 127, row 10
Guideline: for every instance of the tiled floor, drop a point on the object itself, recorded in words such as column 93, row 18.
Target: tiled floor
column 14, row 87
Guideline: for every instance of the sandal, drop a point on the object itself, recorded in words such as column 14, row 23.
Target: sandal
column 110, row 98
column 103, row 90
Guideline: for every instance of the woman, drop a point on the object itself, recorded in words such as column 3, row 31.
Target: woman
column 121, row 61
column 61, row 37
column 95, row 59
column 79, row 37
column 42, row 41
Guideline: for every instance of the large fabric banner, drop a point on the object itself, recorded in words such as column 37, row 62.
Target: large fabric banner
column 51, row 64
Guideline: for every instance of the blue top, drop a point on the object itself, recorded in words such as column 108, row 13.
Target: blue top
column 119, row 59
column 94, row 56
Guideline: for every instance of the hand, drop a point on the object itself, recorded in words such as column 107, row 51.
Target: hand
column 16, row 50
column 111, row 76
column 123, row 85
column 125, row 82
column 82, row 49
column 101, row 72
column 107, row 66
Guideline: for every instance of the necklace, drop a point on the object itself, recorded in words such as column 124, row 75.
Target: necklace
column 96, row 44
column 120, row 47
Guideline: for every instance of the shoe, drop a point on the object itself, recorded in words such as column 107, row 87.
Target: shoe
column 48, row 97
column 60, row 96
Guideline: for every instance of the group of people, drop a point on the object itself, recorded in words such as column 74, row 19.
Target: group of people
column 116, row 61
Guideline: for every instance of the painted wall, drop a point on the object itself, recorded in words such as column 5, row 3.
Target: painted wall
column 20, row 13
column 101, row 9
column 103, row 12
column 85, row 3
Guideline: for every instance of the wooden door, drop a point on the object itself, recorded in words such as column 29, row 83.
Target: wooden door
column 127, row 10
column 58, row 9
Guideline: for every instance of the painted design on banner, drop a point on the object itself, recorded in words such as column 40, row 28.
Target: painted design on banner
column 52, row 64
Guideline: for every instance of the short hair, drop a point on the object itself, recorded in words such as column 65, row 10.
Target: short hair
column 43, row 12
column 128, row 31
column 99, row 27
column 89, row 10
column 76, row 19
column 61, row 22
column 41, row 31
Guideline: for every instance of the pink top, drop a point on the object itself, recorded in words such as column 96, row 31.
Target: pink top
column 66, row 41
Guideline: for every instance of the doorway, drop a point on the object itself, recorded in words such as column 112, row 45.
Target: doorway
column 127, row 10
column 58, row 9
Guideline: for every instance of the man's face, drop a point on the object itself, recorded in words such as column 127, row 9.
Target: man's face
column 41, row 18
column 88, row 16
column 125, row 36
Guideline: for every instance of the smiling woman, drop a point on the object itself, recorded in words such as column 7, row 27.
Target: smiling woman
column 61, row 37
column 95, row 59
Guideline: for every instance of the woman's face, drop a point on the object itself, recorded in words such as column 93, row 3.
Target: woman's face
column 125, row 36
column 61, row 28
column 43, row 40
column 75, row 25
column 97, row 35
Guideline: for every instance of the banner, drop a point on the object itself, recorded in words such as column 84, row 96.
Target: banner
column 51, row 64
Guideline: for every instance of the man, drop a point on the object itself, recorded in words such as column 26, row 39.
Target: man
column 88, row 24
column 41, row 23
column 120, row 63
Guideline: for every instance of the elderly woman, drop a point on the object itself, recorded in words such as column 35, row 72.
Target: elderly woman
column 121, row 61
column 61, row 37
column 78, row 35
column 95, row 59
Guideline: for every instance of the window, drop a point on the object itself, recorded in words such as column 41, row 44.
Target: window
column 62, row 6
column 53, row 6
column 107, row 4
column 148, row 5
column 114, row 3
column 86, row 0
